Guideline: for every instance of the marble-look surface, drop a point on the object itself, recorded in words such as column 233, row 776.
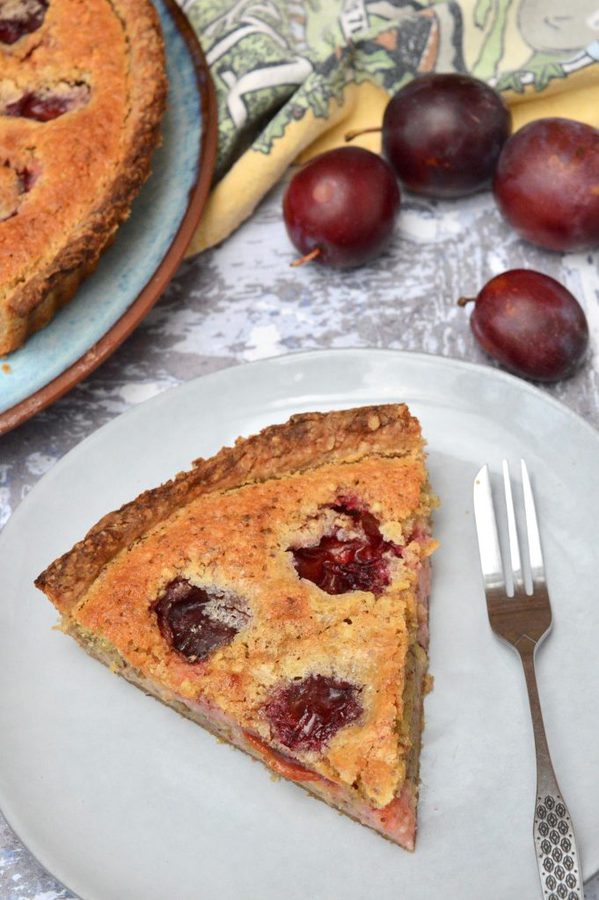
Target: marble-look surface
column 242, row 302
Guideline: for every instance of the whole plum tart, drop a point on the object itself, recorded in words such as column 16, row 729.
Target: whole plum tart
column 277, row 594
column 82, row 92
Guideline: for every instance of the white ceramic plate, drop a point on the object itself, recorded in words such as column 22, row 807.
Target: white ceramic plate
column 123, row 799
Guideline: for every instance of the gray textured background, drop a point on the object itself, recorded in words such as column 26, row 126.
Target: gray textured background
column 242, row 302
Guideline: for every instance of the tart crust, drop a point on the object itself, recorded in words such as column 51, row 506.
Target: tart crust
column 306, row 441
column 230, row 525
column 87, row 164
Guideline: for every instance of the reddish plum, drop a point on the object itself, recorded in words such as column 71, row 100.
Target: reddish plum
column 304, row 715
column 530, row 324
column 47, row 104
column 547, row 184
column 338, row 564
column 340, row 207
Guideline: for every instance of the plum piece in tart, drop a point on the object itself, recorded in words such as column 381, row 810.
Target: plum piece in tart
column 82, row 92
column 277, row 594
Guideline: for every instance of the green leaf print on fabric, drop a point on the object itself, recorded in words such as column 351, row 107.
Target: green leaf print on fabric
column 274, row 60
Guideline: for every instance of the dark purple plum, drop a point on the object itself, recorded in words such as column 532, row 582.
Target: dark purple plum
column 306, row 714
column 443, row 134
column 196, row 621
column 46, row 104
column 340, row 208
column 531, row 324
column 547, row 184
column 20, row 17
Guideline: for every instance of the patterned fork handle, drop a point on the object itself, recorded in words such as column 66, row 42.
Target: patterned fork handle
column 557, row 856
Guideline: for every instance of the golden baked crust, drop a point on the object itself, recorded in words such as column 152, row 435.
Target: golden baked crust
column 306, row 441
column 72, row 179
column 231, row 526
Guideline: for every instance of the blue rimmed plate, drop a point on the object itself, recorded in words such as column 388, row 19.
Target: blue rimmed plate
column 149, row 246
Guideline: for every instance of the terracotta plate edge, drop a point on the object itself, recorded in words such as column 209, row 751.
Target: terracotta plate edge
column 152, row 291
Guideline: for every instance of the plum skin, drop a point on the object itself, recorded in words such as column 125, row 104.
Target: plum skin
column 306, row 714
column 343, row 203
column 443, row 133
column 547, row 184
column 531, row 324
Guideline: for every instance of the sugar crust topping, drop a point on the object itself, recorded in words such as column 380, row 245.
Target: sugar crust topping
column 237, row 539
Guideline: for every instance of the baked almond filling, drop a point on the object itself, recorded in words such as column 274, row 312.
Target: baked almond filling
column 396, row 820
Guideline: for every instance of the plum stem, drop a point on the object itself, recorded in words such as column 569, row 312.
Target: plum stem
column 307, row 258
column 464, row 300
column 359, row 131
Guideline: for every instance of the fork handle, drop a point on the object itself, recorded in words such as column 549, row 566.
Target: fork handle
column 557, row 856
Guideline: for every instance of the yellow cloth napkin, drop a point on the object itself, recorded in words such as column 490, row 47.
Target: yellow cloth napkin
column 293, row 76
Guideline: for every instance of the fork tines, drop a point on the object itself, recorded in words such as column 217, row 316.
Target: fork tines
column 494, row 572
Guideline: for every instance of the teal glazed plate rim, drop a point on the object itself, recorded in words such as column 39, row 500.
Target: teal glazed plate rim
column 134, row 272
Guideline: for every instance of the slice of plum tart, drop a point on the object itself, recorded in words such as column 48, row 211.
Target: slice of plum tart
column 82, row 92
column 277, row 594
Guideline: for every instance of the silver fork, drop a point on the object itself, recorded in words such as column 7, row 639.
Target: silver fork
column 522, row 617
